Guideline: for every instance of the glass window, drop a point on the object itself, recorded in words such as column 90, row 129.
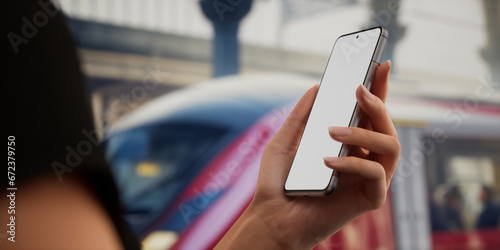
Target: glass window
column 152, row 163
column 464, row 188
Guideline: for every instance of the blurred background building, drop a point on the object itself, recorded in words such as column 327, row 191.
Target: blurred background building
column 444, row 92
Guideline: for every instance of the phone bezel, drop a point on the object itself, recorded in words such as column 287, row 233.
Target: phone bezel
column 375, row 61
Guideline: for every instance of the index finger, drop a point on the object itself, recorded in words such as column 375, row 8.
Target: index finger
column 379, row 88
column 373, row 106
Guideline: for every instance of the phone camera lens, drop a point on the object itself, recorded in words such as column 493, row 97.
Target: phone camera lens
column 357, row 36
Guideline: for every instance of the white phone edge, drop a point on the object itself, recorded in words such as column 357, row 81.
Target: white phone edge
column 376, row 60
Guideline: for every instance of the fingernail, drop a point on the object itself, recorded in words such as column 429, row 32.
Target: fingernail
column 367, row 93
column 332, row 159
column 341, row 131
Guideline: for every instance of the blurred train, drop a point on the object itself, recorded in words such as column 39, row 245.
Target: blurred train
column 186, row 162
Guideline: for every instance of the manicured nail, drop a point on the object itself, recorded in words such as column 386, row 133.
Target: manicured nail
column 332, row 159
column 341, row 131
column 367, row 93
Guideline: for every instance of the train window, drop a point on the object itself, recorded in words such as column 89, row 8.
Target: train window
column 464, row 185
column 151, row 162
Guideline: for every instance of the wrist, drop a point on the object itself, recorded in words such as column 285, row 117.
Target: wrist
column 253, row 231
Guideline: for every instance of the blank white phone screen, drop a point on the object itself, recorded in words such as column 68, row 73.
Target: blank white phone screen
column 334, row 105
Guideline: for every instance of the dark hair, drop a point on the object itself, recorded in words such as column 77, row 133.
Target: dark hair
column 488, row 192
column 453, row 192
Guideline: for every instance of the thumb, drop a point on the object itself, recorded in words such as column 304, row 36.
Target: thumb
column 380, row 84
column 287, row 138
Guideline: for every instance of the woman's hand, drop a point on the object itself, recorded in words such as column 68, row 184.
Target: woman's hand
column 275, row 220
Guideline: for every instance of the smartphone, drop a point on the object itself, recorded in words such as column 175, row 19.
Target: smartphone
column 353, row 61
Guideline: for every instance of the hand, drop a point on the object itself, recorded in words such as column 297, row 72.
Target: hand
column 275, row 220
